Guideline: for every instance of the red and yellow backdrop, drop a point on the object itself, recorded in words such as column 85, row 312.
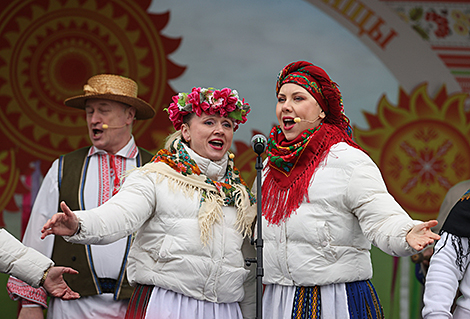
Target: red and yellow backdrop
column 403, row 68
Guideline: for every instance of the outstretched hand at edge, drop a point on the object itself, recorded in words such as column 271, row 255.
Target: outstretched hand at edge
column 62, row 224
column 421, row 235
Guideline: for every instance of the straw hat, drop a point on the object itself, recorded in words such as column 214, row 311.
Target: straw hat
column 115, row 88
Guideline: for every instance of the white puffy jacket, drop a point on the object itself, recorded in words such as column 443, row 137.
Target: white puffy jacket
column 328, row 239
column 167, row 250
column 20, row 261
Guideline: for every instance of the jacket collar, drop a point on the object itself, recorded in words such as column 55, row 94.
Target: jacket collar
column 215, row 170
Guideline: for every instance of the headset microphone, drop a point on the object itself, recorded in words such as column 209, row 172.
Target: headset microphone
column 106, row 126
column 298, row 120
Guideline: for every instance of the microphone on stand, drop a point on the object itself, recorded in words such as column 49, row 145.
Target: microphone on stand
column 106, row 126
column 258, row 143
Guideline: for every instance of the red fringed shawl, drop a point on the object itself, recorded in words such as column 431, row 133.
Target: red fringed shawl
column 290, row 169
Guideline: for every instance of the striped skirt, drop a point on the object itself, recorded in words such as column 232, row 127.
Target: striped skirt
column 355, row 300
column 137, row 307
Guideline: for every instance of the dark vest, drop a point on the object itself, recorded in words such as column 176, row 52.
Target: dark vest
column 72, row 175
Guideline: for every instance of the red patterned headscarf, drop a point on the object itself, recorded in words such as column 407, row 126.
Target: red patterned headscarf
column 293, row 163
column 315, row 80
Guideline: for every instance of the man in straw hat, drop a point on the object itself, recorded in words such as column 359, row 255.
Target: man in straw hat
column 86, row 178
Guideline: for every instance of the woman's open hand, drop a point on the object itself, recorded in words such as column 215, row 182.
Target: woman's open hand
column 62, row 224
column 421, row 235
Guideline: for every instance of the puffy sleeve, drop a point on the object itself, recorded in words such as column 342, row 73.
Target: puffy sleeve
column 20, row 261
column 382, row 219
column 122, row 215
column 444, row 275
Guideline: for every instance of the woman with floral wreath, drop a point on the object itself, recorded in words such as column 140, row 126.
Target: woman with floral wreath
column 191, row 213
column 324, row 202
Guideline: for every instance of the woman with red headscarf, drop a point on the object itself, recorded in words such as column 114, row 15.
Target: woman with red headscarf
column 324, row 202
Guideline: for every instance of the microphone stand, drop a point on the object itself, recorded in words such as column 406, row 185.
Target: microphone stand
column 258, row 241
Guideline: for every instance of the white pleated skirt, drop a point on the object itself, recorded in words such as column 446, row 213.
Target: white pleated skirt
column 166, row 304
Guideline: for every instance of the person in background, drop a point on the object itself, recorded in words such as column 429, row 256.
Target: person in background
column 87, row 178
column 34, row 268
column 422, row 258
column 454, row 194
column 192, row 214
column 324, row 203
column 448, row 268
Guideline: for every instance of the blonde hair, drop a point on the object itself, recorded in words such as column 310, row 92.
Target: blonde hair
column 171, row 138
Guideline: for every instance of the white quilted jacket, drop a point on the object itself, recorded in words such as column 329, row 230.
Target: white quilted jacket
column 20, row 261
column 167, row 250
column 327, row 240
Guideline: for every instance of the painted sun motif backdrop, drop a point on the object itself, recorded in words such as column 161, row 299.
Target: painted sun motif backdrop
column 421, row 146
column 48, row 50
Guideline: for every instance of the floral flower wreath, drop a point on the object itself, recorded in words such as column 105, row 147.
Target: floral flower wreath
column 211, row 101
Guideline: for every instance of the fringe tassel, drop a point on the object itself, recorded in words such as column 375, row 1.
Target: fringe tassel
column 209, row 213
column 462, row 255
column 279, row 205
column 279, row 202
column 245, row 211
